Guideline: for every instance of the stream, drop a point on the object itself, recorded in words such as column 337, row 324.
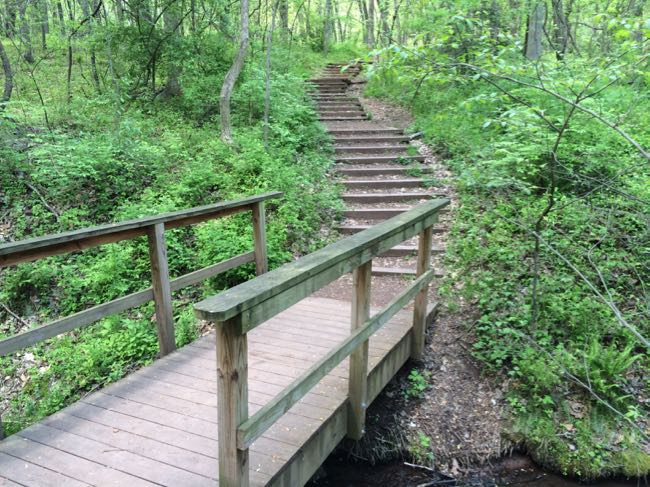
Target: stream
column 516, row 470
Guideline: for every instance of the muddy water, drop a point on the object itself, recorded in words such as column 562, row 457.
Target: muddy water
column 341, row 472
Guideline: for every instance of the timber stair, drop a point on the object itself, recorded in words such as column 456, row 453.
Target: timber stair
column 352, row 229
column 372, row 159
column 375, row 164
column 381, row 171
column 383, row 183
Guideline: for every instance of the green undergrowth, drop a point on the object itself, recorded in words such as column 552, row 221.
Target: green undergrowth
column 103, row 160
column 576, row 379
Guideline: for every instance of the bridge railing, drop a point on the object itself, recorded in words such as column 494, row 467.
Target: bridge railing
column 153, row 228
column 239, row 310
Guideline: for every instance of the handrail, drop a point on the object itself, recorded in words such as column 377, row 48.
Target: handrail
column 240, row 309
column 256, row 425
column 160, row 291
column 261, row 298
column 61, row 243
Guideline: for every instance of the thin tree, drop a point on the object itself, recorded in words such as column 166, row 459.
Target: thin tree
column 232, row 75
column 9, row 77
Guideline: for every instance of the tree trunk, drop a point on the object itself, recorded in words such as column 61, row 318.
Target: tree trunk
column 172, row 22
column 535, row 32
column 327, row 27
column 9, row 77
column 561, row 30
column 383, row 17
column 284, row 19
column 10, row 18
column 371, row 23
column 45, row 23
column 25, row 32
column 267, row 71
column 232, row 75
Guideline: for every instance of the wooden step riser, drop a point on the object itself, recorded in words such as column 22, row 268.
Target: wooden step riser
column 393, row 198
column 377, row 213
column 371, row 150
column 347, row 111
column 361, row 132
column 340, row 119
column 378, row 159
column 408, row 251
column 342, row 140
column 353, row 231
column 397, row 272
column 383, row 184
column 382, row 171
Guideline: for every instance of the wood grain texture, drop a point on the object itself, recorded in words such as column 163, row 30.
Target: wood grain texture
column 259, row 238
column 36, row 248
column 358, row 378
column 96, row 313
column 420, row 305
column 275, row 291
column 162, row 292
column 161, row 425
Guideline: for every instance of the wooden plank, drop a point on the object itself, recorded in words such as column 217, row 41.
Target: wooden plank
column 304, row 276
column 36, row 248
column 26, row 473
column 162, row 293
column 96, row 313
column 358, row 378
column 259, row 238
column 232, row 391
column 126, row 467
column 253, row 427
column 420, row 306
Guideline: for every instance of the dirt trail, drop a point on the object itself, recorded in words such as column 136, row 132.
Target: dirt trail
column 456, row 423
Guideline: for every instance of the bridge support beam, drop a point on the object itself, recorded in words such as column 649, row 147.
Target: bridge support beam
column 232, row 401
column 420, row 303
column 162, row 292
column 358, row 382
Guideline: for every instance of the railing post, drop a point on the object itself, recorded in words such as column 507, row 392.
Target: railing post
column 358, row 381
column 161, row 289
column 232, row 401
column 420, row 305
column 259, row 236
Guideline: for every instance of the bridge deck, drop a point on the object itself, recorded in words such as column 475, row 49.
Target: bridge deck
column 158, row 426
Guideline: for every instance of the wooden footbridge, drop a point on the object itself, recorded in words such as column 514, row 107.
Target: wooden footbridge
column 262, row 400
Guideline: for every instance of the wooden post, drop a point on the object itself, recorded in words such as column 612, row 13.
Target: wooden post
column 358, row 382
column 2, row 431
column 232, row 402
column 259, row 236
column 161, row 289
column 420, row 305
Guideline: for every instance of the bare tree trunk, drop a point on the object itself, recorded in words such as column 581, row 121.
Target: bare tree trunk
column 371, row 23
column 267, row 71
column 25, row 32
column 59, row 12
column 364, row 19
column 327, row 27
column 284, row 18
column 172, row 22
column 232, row 75
column 10, row 18
column 383, row 18
column 535, row 32
column 9, row 77
column 561, row 31
column 45, row 23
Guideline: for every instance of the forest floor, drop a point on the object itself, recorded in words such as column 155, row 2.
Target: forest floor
column 455, row 424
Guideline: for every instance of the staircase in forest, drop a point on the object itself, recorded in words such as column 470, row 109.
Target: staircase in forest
column 382, row 172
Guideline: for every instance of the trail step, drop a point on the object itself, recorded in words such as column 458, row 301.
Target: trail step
column 340, row 119
column 384, row 183
column 375, row 159
column 381, row 170
column 352, row 229
column 398, row 271
column 373, row 213
column 408, row 250
column 370, row 148
column 363, row 131
column 362, row 139
column 366, row 198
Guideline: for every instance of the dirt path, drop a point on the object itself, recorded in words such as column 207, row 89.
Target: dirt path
column 455, row 425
